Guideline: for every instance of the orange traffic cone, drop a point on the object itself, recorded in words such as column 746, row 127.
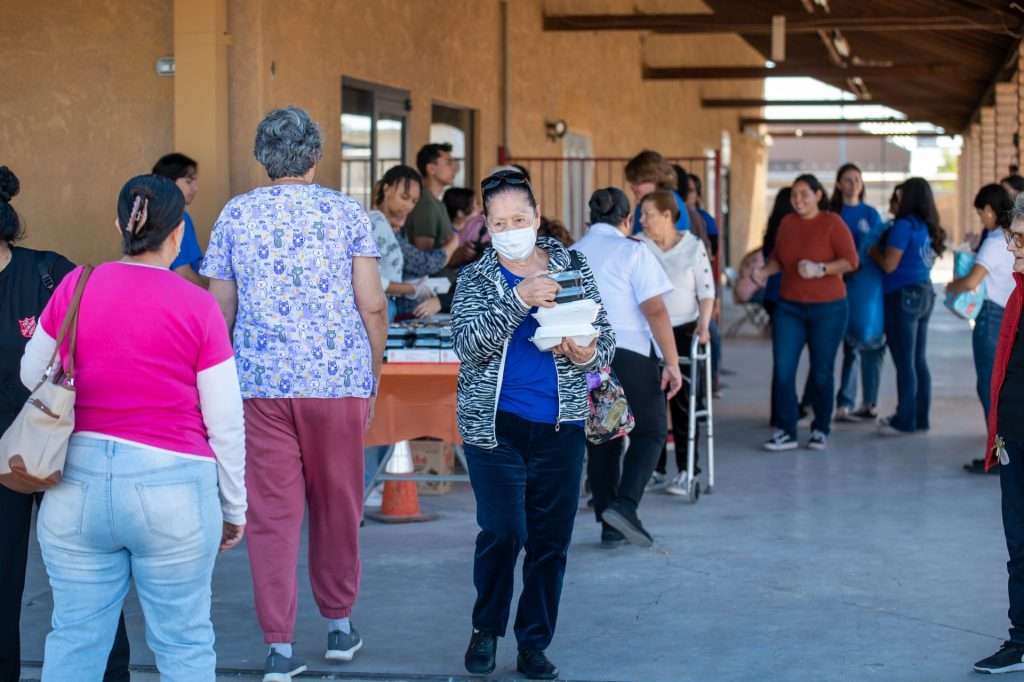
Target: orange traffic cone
column 401, row 499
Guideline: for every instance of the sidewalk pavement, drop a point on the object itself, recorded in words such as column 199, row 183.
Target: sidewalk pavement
column 879, row 559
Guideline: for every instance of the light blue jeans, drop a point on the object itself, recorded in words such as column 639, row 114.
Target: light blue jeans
column 126, row 512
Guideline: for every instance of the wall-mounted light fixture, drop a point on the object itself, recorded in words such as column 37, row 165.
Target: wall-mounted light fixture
column 165, row 67
column 556, row 130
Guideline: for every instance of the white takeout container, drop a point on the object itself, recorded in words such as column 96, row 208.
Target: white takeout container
column 575, row 312
column 546, row 338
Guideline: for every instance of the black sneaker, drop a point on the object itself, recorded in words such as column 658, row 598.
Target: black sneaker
column 1009, row 659
column 536, row 666
column 780, row 441
column 866, row 413
column 611, row 538
column 622, row 517
column 480, row 653
column 977, row 466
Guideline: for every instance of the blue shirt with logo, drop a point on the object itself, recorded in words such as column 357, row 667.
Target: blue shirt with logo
column 683, row 224
column 190, row 253
column 910, row 235
column 529, row 385
column 864, row 287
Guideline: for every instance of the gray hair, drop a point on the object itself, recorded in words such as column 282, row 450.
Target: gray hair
column 288, row 143
column 1017, row 212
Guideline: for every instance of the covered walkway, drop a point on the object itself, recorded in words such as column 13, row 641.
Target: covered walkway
column 877, row 560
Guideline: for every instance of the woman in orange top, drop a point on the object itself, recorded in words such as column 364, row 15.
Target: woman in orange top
column 813, row 251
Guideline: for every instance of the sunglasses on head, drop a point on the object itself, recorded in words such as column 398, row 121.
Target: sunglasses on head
column 505, row 177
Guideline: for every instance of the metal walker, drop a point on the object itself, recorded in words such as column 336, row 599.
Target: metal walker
column 699, row 362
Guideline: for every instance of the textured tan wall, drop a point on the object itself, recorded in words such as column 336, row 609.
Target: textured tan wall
column 81, row 110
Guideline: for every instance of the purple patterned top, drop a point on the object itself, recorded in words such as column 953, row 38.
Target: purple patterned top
column 289, row 248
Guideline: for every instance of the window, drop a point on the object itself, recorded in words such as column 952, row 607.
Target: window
column 456, row 126
column 373, row 135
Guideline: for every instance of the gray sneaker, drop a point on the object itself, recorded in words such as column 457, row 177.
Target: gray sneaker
column 278, row 668
column 342, row 646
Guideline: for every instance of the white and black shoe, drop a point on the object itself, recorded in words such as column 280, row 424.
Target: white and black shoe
column 1009, row 659
column 780, row 441
column 817, row 441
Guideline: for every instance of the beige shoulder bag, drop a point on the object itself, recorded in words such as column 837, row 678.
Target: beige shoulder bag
column 33, row 449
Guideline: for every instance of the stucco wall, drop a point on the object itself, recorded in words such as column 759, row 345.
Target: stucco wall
column 81, row 110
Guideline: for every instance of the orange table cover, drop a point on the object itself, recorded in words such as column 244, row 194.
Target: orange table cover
column 415, row 400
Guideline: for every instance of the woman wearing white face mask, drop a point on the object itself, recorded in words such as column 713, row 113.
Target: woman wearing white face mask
column 521, row 413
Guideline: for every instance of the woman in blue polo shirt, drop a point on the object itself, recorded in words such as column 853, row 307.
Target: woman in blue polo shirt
column 184, row 171
column 910, row 248
column 865, row 330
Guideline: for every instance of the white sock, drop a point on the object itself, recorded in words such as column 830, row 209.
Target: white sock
column 283, row 649
column 343, row 624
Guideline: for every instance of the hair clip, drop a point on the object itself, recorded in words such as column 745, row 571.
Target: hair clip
column 139, row 215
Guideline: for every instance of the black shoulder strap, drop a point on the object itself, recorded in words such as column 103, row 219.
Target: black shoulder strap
column 574, row 258
column 45, row 267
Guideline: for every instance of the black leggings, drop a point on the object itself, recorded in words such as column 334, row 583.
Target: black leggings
column 611, row 479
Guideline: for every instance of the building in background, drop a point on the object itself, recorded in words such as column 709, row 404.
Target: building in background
column 84, row 107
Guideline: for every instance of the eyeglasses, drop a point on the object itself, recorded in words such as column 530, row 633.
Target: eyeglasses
column 1015, row 238
column 504, row 177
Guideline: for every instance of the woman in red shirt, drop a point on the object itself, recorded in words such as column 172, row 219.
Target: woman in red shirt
column 813, row 251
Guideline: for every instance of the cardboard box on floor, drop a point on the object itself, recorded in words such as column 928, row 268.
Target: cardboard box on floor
column 432, row 457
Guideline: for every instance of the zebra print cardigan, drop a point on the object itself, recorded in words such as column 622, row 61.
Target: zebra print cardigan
column 485, row 313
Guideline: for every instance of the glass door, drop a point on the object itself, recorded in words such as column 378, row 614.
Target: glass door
column 374, row 128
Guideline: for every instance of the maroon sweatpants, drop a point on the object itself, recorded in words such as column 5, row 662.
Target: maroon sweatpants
column 299, row 452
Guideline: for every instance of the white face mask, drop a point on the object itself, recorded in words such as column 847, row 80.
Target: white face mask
column 515, row 244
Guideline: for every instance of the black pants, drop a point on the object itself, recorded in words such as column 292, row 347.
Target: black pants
column 527, row 492
column 1011, row 482
column 611, row 475
column 679, row 407
column 15, row 521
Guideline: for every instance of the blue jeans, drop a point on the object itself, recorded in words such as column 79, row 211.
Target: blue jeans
column 820, row 327
column 125, row 512
column 870, row 373
column 907, row 312
column 983, row 340
column 527, row 493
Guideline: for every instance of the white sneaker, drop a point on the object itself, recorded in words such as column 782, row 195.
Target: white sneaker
column 679, row 485
column 376, row 498
column 817, row 441
column 780, row 441
column 846, row 415
column 656, row 481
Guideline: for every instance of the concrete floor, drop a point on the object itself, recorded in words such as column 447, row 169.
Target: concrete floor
column 879, row 559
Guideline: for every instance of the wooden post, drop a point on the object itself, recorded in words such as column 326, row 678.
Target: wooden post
column 201, row 102
column 988, row 145
column 1006, row 127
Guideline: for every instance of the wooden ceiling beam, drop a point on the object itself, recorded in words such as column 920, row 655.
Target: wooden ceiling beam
column 760, row 120
column 848, row 133
column 946, row 72
column 740, row 103
column 742, row 22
